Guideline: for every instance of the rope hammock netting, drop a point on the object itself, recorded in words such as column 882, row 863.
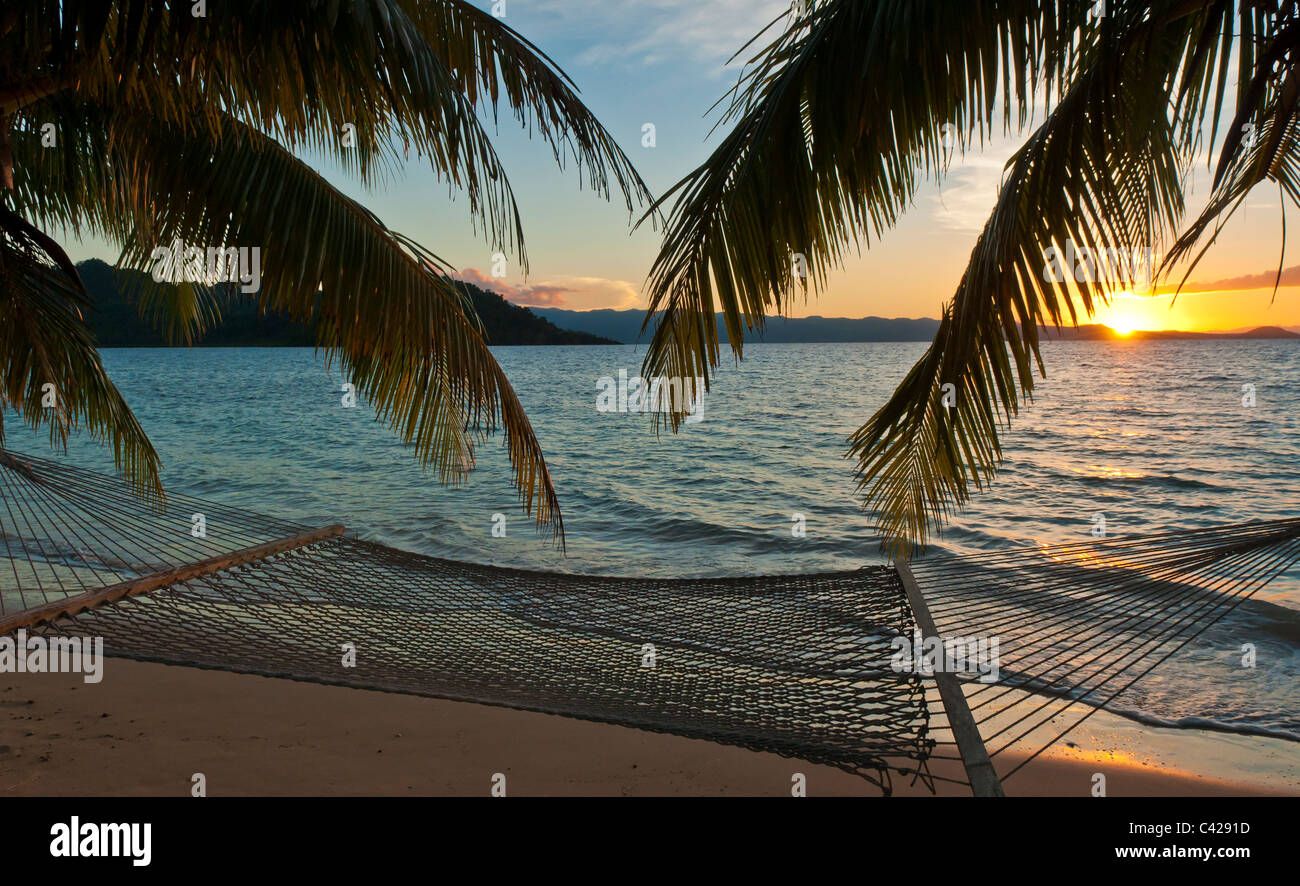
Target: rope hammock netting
column 805, row 666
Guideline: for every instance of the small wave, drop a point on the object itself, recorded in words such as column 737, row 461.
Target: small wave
column 1175, row 482
column 1207, row 724
column 1118, row 478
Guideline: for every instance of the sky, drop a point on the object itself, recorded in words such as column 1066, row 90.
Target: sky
column 665, row 62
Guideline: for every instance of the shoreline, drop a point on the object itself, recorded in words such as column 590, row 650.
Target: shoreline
column 149, row 727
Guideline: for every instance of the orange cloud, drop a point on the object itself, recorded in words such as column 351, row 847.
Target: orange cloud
column 574, row 293
column 1262, row 280
column 539, row 296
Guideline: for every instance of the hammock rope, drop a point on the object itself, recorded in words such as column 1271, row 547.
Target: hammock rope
column 799, row 665
column 1117, row 608
column 794, row 665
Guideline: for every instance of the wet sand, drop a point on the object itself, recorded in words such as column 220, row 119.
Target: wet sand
column 147, row 731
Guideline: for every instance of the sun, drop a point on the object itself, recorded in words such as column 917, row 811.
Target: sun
column 1123, row 322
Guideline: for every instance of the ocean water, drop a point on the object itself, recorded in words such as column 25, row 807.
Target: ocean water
column 1153, row 435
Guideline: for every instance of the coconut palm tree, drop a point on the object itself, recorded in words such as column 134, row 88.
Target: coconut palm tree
column 839, row 116
column 158, row 122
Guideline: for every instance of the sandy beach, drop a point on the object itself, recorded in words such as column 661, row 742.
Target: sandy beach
column 147, row 731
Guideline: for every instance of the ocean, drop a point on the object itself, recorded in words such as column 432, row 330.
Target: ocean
column 1154, row 435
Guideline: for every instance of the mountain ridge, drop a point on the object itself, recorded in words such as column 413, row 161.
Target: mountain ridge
column 624, row 326
column 115, row 320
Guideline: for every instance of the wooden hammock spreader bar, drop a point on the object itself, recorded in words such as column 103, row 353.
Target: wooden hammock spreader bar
column 18, row 466
column 79, row 603
column 983, row 777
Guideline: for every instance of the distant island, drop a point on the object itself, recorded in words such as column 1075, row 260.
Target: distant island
column 1100, row 332
column 625, row 327
column 116, row 321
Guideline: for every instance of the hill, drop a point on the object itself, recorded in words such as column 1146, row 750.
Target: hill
column 116, row 321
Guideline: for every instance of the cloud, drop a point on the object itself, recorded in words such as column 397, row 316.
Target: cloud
column 592, row 293
column 649, row 32
column 1262, row 280
column 542, row 295
column 573, row 293
column 965, row 199
column 966, row 194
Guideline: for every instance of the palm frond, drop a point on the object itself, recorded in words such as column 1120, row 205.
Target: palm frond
column 490, row 61
column 835, row 122
column 387, row 76
column 379, row 303
column 354, row 80
column 50, row 370
column 1103, row 171
column 183, row 129
column 98, row 198
column 838, row 119
column 1261, row 144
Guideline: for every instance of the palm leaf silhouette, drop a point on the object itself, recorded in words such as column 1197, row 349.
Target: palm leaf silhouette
column 176, row 128
column 839, row 117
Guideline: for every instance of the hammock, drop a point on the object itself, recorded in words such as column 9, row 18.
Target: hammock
column 805, row 666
